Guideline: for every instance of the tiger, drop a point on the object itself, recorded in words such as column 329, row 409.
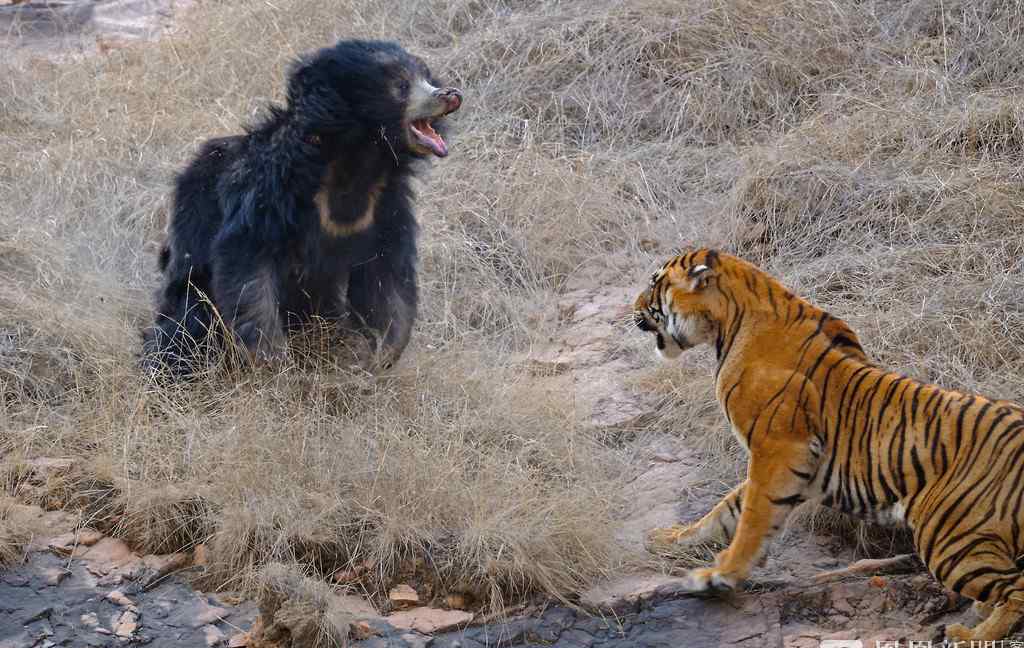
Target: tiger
column 822, row 423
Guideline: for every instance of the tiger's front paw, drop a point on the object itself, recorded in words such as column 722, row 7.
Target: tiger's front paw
column 710, row 579
column 670, row 538
column 959, row 633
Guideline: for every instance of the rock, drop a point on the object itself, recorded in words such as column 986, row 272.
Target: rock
column 118, row 598
column 213, row 635
column 403, row 596
column 415, row 640
column 429, row 620
column 624, row 593
column 36, row 612
column 54, row 575
column 206, row 614
column 108, row 555
column 127, row 624
column 89, row 620
column 113, row 579
column 361, row 630
column 240, row 640
column 63, row 544
column 160, row 565
column 44, row 523
column 354, row 606
column 88, row 537
column 801, row 641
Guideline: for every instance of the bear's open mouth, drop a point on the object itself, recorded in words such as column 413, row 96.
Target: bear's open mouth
column 423, row 133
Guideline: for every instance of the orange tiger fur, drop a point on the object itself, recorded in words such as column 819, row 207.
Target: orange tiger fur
column 822, row 423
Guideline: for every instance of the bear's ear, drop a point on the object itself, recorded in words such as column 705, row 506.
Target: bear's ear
column 316, row 97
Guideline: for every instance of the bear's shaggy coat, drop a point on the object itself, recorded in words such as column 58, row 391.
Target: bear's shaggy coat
column 308, row 217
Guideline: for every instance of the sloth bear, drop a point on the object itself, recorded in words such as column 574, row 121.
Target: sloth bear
column 308, row 217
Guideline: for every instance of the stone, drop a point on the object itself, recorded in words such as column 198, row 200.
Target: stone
column 240, row 640
column 415, row 640
column 127, row 624
column 624, row 593
column 117, row 597
column 63, row 544
column 54, row 575
column 35, row 613
column 158, row 566
column 89, row 620
column 88, row 537
column 429, row 620
column 355, row 606
column 213, row 635
column 800, row 641
column 206, row 614
column 403, row 596
column 361, row 630
column 107, row 555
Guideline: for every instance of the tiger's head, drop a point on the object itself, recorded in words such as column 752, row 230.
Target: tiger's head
column 677, row 306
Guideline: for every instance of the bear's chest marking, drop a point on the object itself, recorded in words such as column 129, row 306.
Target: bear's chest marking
column 338, row 204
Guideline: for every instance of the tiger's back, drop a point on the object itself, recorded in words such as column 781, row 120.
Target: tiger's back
column 823, row 423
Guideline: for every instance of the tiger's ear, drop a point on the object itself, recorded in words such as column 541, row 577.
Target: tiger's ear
column 699, row 275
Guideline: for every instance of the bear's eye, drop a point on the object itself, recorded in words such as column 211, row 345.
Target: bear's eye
column 403, row 85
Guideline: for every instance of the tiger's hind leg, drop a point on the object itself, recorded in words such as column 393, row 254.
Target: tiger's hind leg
column 716, row 527
column 983, row 610
column 996, row 626
column 995, row 583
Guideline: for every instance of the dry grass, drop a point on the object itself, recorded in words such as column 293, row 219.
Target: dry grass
column 869, row 153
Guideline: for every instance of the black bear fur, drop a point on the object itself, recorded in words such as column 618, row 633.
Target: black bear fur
column 306, row 217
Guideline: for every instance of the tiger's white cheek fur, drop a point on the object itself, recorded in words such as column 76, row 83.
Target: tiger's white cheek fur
column 666, row 347
column 679, row 334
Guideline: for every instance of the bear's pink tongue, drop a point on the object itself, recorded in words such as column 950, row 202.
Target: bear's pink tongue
column 428, row 137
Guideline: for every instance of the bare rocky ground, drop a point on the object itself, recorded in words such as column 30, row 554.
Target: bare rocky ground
column 77, row 587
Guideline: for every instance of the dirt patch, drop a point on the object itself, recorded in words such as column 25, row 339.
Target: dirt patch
column 60, row 28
